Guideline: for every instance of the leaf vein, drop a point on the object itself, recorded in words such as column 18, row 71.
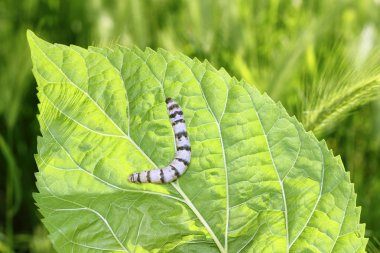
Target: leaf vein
column 316, row 203
column 278, row 175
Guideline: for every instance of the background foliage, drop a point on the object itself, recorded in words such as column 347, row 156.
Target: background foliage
column 319, row 58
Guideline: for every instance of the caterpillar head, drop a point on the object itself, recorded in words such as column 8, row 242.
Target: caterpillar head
column 131, row 179
column 168, row 100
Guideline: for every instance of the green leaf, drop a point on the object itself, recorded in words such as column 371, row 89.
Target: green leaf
column 257, row 180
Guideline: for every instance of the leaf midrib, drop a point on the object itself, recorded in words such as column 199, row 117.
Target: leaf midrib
column 175, row 184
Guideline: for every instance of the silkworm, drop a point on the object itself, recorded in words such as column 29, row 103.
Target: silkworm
column 182, row 156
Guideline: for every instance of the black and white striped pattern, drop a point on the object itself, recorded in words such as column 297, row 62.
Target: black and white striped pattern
column 182, row 156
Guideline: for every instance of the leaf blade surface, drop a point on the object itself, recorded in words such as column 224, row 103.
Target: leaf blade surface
column 257, row 180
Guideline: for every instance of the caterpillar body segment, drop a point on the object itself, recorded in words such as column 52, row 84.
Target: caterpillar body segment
column 182, row 157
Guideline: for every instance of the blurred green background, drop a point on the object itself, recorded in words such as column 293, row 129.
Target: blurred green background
column 320, row 58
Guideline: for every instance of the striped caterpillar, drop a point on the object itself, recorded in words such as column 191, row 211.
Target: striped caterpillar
column 182, row 156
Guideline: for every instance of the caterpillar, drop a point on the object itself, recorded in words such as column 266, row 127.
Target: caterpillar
column 182, row 156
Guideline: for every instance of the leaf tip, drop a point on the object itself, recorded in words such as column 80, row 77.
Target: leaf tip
column 29, row 33
column 30, row 36
column 35, row 41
